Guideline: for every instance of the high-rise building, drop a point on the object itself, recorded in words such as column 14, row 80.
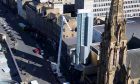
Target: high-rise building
column 84, row 34
column 131, row 8
column 113, row 47
column 83, row 4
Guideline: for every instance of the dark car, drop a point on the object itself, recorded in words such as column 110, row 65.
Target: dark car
column 13, row 38
column 36, row 50
column 24, row 27
column 10, row 35
column 8, row 31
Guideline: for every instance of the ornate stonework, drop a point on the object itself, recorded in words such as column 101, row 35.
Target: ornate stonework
column 113, row 46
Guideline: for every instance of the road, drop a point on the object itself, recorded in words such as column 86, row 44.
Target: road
column 32, row 66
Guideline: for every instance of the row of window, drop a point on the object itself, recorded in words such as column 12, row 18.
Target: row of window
column 130, row 2
column 103, row 4
column 125, row 2
column 126, row 15
column 134, row 15
column 101, row 9
column 131, row 6
column 101, row 0
column 108, row 4
column 134, row 10
column 107, row 9
column 100, row 14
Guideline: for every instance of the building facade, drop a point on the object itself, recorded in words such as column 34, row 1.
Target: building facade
column 47, row 27
column 11, row 4
column 113, row 47
column 131, row 8
column 83, row 4
column 84, row 34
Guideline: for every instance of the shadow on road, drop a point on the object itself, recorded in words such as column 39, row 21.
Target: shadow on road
column 13, row 21
column 13, row 70
column 43, row 71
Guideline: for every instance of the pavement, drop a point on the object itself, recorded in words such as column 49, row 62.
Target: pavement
column 32, row 66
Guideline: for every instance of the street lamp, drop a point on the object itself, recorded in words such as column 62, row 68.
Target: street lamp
column 63, row 19
column 59, row 50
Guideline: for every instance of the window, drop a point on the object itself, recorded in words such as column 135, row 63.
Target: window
column 72, row 35
column 63, row 30
column 138, row 81
column 63, row 36
column 132, row 82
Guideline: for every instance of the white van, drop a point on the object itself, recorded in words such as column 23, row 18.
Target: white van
column 34, row 82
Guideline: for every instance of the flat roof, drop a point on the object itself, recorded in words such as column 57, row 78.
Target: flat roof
column 70, row 41
column 132, row 27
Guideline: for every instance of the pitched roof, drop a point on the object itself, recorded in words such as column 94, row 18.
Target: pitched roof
column 134, row 59
column 132, row 27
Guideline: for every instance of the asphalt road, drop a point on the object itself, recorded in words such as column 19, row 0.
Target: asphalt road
column 31, row 65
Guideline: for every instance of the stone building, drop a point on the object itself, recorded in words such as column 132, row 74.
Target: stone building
column 45, row 24
column 64, row 1
column 10, row 3
column 83, row 4
column 20, row 8
column 113, row 47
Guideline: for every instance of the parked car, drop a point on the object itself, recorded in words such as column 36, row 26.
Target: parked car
column 11, row 35
column 66, row 83
column 36, row 50
column 13, row 38
column 8, row 31
column 34, row 82
column 24, row 27
column 42, row 52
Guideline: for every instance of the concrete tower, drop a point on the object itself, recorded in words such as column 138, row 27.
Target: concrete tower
column 113, row 46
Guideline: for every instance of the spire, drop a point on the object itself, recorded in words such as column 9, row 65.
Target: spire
column 116, row 11
column 116, row 22
column 113, row 48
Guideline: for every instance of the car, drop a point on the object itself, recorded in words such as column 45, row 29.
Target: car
column 34, row 82
column 4, row 25
column 24, row 27
column 66, row 83
column 8, row 31
column 13, row 38
column 42, row 52
column 11, row 35
column 6, row 11
column 36, row 50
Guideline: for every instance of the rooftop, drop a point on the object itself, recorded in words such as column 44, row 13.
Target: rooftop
column 70, row 41
column 133, row 59
column 132, row 28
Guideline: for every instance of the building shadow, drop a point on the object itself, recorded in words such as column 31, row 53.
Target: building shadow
column 11, row 64
column 25, row 36
column 133, row 43
column 27, row 56
column 120, row 75
column 13, row 23
column 35, row 66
